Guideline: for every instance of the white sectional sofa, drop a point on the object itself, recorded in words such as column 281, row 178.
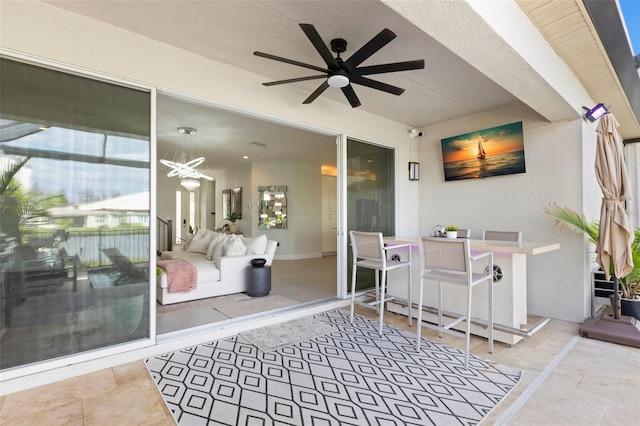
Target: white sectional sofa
column 221, row 262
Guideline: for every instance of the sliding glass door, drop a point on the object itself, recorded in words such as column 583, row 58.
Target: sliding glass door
column 74, row 214
column 370, row 196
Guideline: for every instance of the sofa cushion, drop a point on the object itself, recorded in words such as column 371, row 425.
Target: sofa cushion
column 216, row 246
column 215, row 238
column 218, row 249
column 234, row 246
column 256, row 245
column 200, row 244
column 186, row 241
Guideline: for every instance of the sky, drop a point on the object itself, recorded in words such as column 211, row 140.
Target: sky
column 75, row 178
column 631, row 13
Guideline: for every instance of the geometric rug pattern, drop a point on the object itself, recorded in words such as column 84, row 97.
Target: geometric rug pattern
column 351, row 376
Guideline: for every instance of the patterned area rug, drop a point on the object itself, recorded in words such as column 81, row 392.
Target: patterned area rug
column 351, row 376
column 277, row 336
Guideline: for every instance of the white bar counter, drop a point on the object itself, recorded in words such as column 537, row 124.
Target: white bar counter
column 510, row 288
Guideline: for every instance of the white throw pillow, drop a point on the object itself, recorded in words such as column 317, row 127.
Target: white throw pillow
column 218, row 248
column 199, row 245
column 187, row 241
column 256, row 245
column 212, row 245
column 199, row 234
column 234, row 247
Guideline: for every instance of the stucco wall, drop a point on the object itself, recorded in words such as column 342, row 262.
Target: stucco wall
column 555, row 156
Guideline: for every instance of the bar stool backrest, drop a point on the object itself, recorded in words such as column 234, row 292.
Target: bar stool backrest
column 464, row 233
column 502, row 236
column 367, row 245
column 442, row 254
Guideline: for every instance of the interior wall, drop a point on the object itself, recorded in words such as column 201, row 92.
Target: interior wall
column 557, row 282
column 329, row 214
column 237, row 177
column 208, row 203
column 303, row 236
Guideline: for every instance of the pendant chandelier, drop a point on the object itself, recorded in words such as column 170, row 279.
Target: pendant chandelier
column 186, row 170
column 190, row 184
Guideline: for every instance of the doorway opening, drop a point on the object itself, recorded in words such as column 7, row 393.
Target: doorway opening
column 247, row 152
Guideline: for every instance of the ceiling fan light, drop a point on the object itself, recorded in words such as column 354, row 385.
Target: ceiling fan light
column 338, row 80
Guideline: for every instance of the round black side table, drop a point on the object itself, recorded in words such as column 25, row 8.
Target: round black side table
column 259, row 278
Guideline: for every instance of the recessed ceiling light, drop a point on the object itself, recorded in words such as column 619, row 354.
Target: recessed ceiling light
column 246, row 157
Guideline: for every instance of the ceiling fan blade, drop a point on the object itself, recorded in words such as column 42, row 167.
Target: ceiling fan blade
column 290, row 61
column 294, row 80
column 351, row 96
column 375, row 44
column 320, row 46
column 393, row 67
column 316, row 93
column 394, row 90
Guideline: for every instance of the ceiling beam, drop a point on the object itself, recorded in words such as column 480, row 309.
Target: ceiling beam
column 65, row 156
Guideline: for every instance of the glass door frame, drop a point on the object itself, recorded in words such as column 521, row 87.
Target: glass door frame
column 343, row 231
column 97, row 354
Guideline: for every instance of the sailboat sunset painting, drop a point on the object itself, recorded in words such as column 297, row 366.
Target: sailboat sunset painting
column 484, row 153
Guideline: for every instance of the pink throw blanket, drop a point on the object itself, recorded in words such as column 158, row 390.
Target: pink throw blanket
column 181, row 275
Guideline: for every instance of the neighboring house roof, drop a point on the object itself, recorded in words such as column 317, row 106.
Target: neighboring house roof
column 130, row 203
column 70, row 211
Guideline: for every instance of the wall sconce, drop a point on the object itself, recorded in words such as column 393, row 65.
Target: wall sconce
column 414, row 170
column 594, row 113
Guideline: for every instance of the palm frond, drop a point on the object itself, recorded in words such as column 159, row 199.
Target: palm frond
column 573, row 221
column 7, row 174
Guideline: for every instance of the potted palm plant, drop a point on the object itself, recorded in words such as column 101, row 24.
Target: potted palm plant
column 233, row 228
column 629, row 285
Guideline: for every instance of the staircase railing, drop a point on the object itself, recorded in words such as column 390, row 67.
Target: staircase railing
column 165, row 235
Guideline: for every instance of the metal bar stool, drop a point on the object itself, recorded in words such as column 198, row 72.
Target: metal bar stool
column 450, row 261
column 369, row 252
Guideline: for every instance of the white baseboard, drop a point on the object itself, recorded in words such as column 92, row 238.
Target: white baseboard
column 298, row 256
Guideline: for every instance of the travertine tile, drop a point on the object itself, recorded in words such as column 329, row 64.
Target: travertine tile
column 57, row 394
column 133, row 371
column 621, row 414
column 63, row 414
column 131, row 403
column 597, row 383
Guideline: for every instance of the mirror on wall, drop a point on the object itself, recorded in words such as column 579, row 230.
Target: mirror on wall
column 272, row 207
column 236, row 202
column 226, row 204
column 232, row 203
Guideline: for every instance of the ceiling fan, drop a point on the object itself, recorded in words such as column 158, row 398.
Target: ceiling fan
column 342, row 73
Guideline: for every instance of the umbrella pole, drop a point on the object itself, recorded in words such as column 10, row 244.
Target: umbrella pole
column 617, row 305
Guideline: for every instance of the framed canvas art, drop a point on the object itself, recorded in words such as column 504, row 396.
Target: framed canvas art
column 484, row 153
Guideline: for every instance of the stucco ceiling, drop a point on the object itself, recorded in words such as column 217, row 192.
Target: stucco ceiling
column 230, row 31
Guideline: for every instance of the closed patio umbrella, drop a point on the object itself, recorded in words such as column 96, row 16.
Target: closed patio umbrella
column 615, row 235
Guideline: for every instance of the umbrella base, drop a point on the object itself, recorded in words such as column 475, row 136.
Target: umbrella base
column 625, row 331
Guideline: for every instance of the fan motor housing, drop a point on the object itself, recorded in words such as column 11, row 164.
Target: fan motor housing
column 339, row 45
